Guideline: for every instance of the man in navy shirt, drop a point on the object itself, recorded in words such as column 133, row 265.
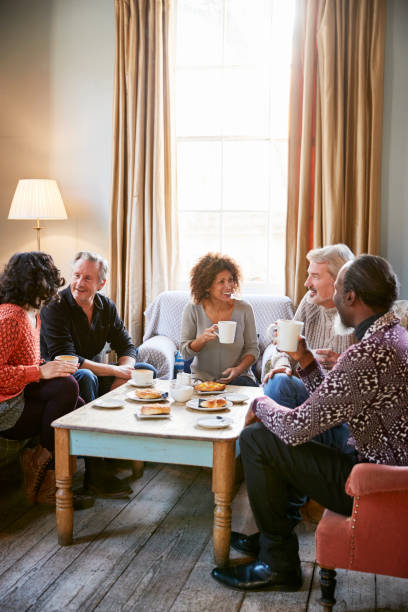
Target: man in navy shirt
column 80, row 324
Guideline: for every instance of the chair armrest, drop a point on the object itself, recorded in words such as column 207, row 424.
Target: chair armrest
column 159, row 351
column 368, row 478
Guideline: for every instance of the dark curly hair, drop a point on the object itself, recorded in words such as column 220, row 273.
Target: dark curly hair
column 205, row 271
column 30, row 279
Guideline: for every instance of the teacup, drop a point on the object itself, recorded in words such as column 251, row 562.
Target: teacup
column 68, row 358
column 142, row 377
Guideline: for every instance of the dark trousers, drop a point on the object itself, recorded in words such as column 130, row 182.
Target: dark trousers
column 45, row 401
column 279, row 477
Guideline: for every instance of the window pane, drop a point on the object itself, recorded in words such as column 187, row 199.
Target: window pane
column 278, row 171
column 199, row 175
column 247, row 31
column 245, row 102
column 198, row 109
column 245, row 239
column 198, row 23
column 246, row 171
column 199, row 234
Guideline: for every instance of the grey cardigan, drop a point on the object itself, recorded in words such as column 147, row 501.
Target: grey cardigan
column 214, row 357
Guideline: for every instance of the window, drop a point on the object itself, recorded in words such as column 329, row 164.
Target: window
column 232, row 92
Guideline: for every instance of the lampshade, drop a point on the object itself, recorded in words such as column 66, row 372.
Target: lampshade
column 37, row 199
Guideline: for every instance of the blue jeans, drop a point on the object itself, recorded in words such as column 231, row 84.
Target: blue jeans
column 243, row 381
column 92, row 386
column 290, row 391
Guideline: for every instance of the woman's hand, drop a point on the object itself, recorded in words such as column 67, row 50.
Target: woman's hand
column 327, row 358
column 229, row 374
column 208, row 334
column 56, row 369
column 283, row 370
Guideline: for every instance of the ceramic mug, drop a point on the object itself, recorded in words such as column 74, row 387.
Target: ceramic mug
column 226, row 331
column 287, row 334
column 68, row 358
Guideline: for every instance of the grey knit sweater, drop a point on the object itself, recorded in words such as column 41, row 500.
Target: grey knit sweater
column 318, row 330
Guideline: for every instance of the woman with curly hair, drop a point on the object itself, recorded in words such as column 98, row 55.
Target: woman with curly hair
column 214, row 280
column 32, row 394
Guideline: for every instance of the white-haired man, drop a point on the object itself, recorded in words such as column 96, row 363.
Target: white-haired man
column 322, row 330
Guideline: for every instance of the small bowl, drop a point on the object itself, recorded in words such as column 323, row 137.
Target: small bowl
column 182, row 393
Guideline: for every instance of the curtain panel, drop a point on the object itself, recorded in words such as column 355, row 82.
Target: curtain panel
column 143, row 213
column 335, row 130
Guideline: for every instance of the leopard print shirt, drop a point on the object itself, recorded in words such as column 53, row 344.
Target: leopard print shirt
column 367, row 388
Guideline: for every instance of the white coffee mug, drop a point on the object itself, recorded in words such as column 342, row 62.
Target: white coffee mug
column 142, row 377
column 287, row 334
column 226, row 331
column 68, row 358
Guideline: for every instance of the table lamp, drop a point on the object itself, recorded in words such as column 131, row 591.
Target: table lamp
column 37, row 199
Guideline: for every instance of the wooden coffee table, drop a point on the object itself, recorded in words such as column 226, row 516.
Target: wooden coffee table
column 117, row 433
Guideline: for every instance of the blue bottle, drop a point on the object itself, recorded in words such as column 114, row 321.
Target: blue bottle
column 178, row 364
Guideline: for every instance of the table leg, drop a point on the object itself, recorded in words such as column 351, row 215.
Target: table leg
column 222, row 486
column 64, row 468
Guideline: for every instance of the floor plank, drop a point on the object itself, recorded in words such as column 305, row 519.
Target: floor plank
column 82, row 585
column 33, row 559
column 355, row 591
column 392, row 593
column 154, row 552
column 154, row 578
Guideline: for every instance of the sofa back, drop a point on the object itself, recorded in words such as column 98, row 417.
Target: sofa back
column 163, row 316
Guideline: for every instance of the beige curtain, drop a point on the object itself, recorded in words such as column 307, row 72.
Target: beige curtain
column 143, row 214
column 335, row 129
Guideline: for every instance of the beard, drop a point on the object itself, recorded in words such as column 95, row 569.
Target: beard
column 339, row 328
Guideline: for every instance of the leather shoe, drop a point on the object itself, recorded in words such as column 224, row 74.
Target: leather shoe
column 108, row 487
column 245, row 543
column 258, row 576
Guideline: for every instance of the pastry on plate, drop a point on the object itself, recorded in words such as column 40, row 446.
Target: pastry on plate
column 210, row 385
column 214, row 403
column 147, row 394
column 155, row 409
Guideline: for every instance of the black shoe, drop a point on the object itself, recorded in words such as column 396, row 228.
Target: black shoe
column 82, row 500
column 258, row 576
column 107, row 486
column 243, row 543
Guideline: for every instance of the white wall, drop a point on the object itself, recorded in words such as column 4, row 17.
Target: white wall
column 394, row 211
column 56, row 75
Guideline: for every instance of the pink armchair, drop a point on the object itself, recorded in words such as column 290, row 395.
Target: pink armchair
column 374, row 538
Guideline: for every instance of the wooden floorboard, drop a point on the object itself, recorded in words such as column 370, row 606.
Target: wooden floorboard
column 153, row 552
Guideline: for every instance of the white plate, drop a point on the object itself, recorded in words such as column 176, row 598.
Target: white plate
column 139, row 415
column 131, row 395
column 194, row 405
column 132, row 382
column 236, row 398
column 213, row 422
column 109, row 404
column 209, row 392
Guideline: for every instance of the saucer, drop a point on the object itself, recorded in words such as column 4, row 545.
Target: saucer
column 237, row 398
column 132, row 382
column 214, row 422
column 109, row 404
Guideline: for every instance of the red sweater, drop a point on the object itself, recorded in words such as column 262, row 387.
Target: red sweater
column 19, row 351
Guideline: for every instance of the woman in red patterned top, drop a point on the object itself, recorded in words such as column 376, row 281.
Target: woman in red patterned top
column 32, row 394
